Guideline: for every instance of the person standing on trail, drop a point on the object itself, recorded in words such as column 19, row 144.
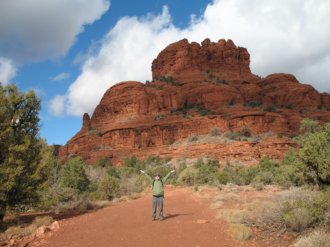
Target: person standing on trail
column 157, row 193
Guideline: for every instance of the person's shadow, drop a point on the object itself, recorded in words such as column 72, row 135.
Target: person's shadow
column 170, row 216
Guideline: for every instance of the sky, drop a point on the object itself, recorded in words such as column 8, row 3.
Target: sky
column 71, row 52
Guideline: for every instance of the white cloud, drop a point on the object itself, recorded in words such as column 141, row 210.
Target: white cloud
column 281, row 35
column 61, row 76
column 7, row 70
column 57, row 105
column 33, row 30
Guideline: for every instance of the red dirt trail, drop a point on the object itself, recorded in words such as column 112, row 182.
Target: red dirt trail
column 188, row 222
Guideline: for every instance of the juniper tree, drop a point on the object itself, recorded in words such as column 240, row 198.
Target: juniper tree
column 20, row 147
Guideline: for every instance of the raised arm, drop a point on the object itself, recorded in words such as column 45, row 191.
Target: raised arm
column 167, row 176
column 147, row 176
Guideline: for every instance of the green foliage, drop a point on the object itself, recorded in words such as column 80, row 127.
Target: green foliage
column 109, row 187
column 221, row 81
column 193, row 138
column 309, row 126
column 215, row 131
column 93, row 131
column 237, row 136
column 103, row 162
column 253, row 104
column 206, row 172
column 296, row 209
column 245, row 132
column 113, row 171
column 237, row 174
column 270, row 108
column 188, row 176
column 315, row 155
column 201, row 109
column 21, row 165
column 169, row 80
column 73, row 175
column 134, row 163
column 232, row 135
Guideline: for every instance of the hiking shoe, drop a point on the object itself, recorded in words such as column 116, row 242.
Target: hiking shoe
column 161, row 218
column 153, row 219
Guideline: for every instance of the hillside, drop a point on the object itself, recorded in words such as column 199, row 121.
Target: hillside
column 198, row 93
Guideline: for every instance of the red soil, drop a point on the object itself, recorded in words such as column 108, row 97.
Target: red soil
column 189, row 221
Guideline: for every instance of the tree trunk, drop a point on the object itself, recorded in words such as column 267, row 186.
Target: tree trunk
column 3, row 208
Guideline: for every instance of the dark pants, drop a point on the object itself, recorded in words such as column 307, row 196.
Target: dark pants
column 157, row 200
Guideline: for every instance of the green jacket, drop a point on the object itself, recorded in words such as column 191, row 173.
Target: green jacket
column 157, row 185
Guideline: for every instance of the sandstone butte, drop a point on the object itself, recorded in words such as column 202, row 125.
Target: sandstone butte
column 196, row 88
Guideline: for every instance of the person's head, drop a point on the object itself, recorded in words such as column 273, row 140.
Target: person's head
column 157, row 177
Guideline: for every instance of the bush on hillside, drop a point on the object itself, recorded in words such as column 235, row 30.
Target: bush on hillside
column 215, row 131
column 73, row 175
column 188, row 176
column 108, row 188
column 296, row 210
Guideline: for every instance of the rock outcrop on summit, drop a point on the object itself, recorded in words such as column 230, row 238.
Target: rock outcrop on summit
column 197, row 88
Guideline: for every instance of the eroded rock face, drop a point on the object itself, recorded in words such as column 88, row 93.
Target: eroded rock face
column 189, row 62
column 195, row 89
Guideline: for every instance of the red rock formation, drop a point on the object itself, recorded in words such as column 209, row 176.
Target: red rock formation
column 194, row 89
column 193, row 62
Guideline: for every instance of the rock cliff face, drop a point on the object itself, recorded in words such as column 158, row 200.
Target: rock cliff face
column 197, row 88
column 189, row 62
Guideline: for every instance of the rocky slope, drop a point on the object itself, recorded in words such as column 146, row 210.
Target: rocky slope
column 197, row 88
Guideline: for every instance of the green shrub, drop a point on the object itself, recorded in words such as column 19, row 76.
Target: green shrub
column 135, row 163
column 232, row 135
column 309, row 126
column 170, row 80
column 73, row 175
column 109, row 187
column 224, row 177
column 270, row 108
column 193, row 138
column 315, row 156
column 113, row 171
column 296, row 209
column 264, row 177
column 188, row 176
column 245, row 132
column 221, row 81
column 253, row 104
column 215, row 131
column 206, row 171
column 103, row 162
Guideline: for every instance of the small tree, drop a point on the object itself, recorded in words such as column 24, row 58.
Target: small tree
column 315, row 155
column 20, row 148
column 73, row 175
column 109, row 187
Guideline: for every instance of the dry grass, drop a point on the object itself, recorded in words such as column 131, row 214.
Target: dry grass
column 317, row 238
column 227, row 197
column 233, row 216
column 232, row 188
column 30, row 229
column 290, row 209
column 258, row 186
column 240, row 232
column 216, row 205
column 80, row 206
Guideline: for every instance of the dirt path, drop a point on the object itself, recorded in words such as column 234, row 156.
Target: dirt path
column 129, row 224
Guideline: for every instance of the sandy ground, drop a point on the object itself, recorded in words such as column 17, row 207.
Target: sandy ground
column 189, row 221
